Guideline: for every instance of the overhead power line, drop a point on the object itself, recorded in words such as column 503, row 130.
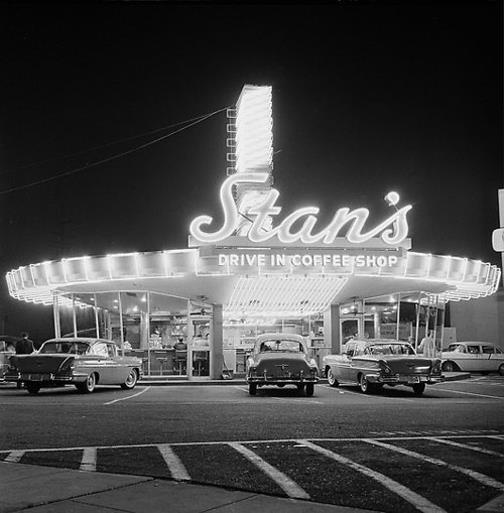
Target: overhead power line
column 115, row 156
column 105, row 145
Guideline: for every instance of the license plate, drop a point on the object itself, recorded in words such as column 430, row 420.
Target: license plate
column 36, row 377
column 414, row 379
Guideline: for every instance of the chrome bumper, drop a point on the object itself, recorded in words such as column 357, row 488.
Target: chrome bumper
column 274, row 381
column 404, row 379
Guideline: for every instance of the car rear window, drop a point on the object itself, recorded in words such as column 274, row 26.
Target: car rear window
column 389, row 349
column 281, row 345
column 64, row 347
column 488, row 349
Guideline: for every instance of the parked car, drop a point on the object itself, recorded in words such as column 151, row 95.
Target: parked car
column 83, row 362
column 473, row 356
column 281, row 359
column 372, row 363
column 7, row 349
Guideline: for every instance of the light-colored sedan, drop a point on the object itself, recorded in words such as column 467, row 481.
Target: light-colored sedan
column 473, row 357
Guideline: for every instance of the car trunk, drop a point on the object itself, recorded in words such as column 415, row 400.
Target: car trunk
column 41, row 364
column 282, row 366
column 405, row 365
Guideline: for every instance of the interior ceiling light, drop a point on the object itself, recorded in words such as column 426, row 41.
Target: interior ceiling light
column 294, row 295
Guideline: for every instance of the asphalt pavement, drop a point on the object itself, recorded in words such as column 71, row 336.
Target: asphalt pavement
column 215, row 448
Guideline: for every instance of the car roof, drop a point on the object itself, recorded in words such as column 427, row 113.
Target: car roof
column 85, row 340
column 280, row 336
column 469, row 342
column 374, row 341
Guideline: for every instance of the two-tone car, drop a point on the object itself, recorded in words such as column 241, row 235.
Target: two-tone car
column 371, row 364
column 82, row 362
column 280, row 359
column 473, row 357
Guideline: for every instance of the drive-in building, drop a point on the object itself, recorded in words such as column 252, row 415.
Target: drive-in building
column 195, row 311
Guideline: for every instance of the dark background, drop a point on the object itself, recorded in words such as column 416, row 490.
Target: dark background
column 367, row 97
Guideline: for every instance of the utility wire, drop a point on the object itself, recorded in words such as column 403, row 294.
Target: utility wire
column 112, row 157
column 105, row 145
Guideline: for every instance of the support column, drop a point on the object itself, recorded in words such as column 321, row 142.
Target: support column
column 74, row 316
column 216, row 343
column 332, row 329
column 56, row 316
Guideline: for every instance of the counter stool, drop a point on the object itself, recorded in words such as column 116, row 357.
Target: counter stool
column 162, row 361
column 180, row 361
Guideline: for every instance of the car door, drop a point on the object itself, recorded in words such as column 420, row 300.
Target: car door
column 103, row 363
column 488, row 362
column 344, row 364
column 474, row 358
column 119, row 370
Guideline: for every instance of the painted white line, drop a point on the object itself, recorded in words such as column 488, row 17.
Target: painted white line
column 177, row 468
column 465, row 446
column 263, row 441
column 241, row 388
column 88, row 461
column 470, row 393
column 292, row 489
column 477, row 476
column 419, row 502
column 128, row 397
column 14, row 456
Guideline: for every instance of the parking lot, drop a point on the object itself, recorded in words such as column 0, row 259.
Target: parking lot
column 388, row 452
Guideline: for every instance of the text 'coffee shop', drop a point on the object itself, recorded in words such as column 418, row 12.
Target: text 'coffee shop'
column 195, row 312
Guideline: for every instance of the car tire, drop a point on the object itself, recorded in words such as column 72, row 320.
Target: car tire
column 300, row 387
column 252, row 388
column 33, row 388
column 418, row 389
column 365, row 386
column 310, row 388
column 450, row 367
column 88, row 386
column 501, row 369
column 131, row 380
column 331, row 378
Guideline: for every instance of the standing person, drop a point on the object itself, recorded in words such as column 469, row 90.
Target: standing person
column 428, row 346
column 25, row 345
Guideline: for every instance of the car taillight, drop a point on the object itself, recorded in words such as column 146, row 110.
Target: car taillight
column 384, row 367
column 67, row 365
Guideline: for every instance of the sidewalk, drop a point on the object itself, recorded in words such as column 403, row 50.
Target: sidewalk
column 34, row 489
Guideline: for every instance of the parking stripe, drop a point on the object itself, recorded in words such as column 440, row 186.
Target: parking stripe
column 14, row 456
column 88, row 461
column 177, row 469
column 465, row 446
column 419, row 502
column 477, row 476
column 128, row 397
column 293, row 490
column 470, row 393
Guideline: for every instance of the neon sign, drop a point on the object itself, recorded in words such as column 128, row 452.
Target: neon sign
column 392, row 230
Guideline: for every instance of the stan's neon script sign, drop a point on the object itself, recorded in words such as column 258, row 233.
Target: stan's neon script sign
column 392, row 231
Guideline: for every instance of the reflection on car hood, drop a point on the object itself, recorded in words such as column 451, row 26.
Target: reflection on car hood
column 38, row 363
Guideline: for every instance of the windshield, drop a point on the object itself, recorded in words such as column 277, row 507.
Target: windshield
column 390, row 349
column 64, row 347
column 459, row 348
column 281, row 345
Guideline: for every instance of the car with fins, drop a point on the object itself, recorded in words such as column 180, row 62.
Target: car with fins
column 82, row 362
column 373, row 363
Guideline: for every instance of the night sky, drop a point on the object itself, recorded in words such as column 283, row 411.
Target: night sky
column 367, row 97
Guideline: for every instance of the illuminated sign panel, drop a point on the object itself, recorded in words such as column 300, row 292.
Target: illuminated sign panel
column 392, row 230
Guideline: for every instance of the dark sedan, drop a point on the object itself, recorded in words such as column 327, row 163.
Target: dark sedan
column 281, row 359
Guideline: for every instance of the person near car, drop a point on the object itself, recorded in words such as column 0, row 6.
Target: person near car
column 428, row 346
column 24, row 345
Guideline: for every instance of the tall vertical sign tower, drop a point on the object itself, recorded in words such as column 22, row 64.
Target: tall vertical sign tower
column 250, row 141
